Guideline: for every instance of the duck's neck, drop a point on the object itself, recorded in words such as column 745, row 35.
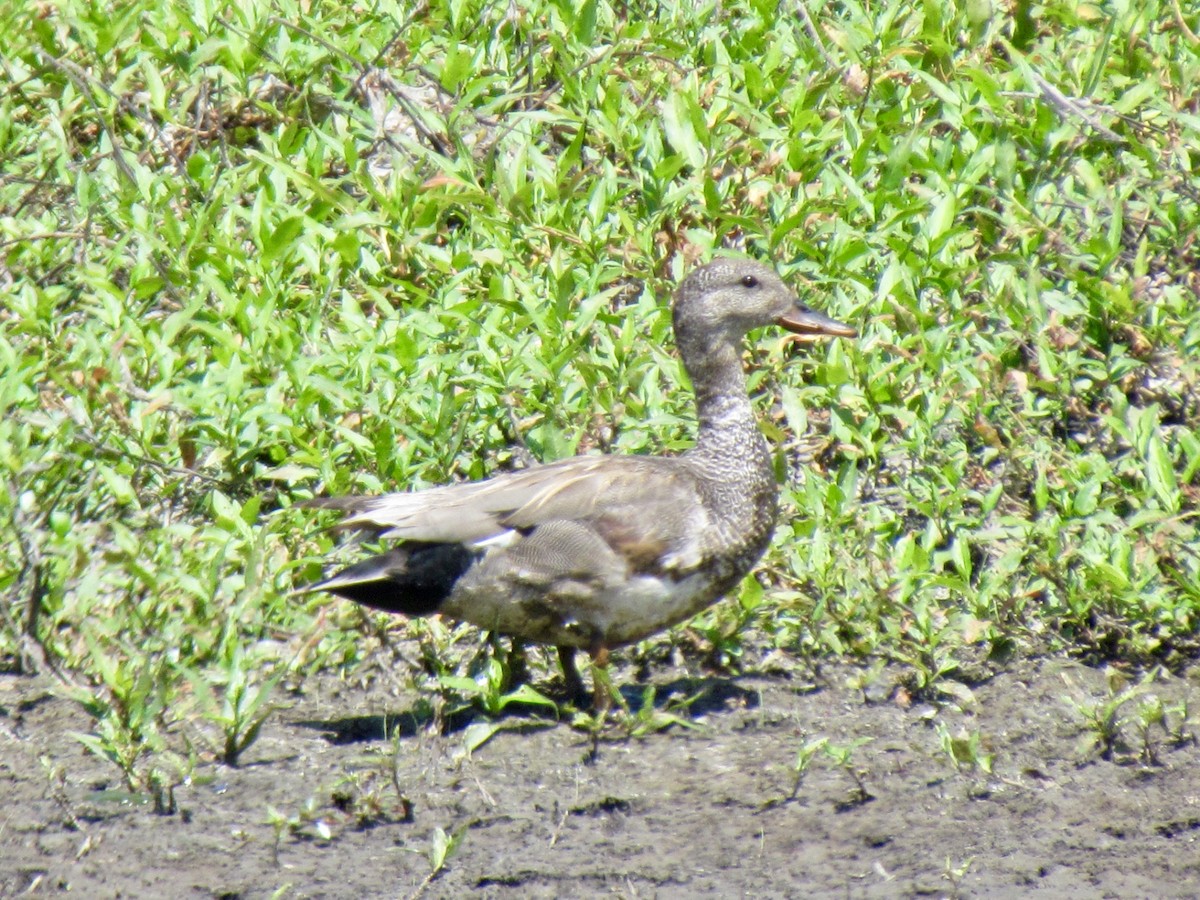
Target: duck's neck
column 728, row 429
column 736, row 478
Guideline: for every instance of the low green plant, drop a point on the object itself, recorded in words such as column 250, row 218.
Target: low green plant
column 1179, row 724
column 1104, row 719
column 362, row 797
column 965, row 749
column 128, row 707
column 308, row 822
column 442, row 847
column 242, row 704
column 488, row 691
column 235, row 275
column 955, row 873
column 842, row 756
column 649, row 719
column 1153, row 715
column 170, row 771
column 804, row 758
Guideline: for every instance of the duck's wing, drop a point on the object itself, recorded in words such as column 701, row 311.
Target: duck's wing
column 647, row 509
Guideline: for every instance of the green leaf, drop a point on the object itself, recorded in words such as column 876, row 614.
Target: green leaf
column 1160, row 473
column 678, row 119
column 585, row 22
column 281, row 237
column 458, row 64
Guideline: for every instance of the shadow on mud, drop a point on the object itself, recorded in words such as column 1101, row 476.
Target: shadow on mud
column 684, row 698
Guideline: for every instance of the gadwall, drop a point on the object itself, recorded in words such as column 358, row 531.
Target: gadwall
column 594, row 552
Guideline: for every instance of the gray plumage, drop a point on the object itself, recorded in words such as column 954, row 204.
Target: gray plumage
column 598, row 551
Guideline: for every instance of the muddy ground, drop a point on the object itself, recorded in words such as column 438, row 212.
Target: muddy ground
column 543, row 810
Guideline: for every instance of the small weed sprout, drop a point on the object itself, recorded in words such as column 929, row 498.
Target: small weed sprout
column 128, row 707
column 1104, row 722
column 242, row 707
column 1177, row 721
column 649, row 719
column 307, row 822
column 965, row 749
column 843, row 758
column 442, row 846
column 1172, row 720
column 956, row 873
column 169, row 771
column 1151, row 712
column 406, row 805
column 804, row 757
column 489, row 691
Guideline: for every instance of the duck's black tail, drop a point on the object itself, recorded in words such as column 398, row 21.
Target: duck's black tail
column 413, row 579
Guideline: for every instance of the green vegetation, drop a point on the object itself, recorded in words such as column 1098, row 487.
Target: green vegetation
column 249, row 253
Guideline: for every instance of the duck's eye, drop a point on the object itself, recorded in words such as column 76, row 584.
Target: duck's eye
column 749, row 281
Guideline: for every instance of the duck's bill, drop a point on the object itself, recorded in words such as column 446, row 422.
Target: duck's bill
column 810, row 324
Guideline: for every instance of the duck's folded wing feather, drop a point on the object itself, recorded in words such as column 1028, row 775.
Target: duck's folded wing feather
column 645, row 510
column 648, row 512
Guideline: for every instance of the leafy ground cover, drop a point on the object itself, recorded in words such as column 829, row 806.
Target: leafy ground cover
column 253, row 252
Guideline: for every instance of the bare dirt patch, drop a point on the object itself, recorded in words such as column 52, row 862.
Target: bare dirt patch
column 541, row 810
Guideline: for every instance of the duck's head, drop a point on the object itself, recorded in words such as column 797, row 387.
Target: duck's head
column 722, row 301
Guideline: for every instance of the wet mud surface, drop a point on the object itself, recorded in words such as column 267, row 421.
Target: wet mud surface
column 893, row 804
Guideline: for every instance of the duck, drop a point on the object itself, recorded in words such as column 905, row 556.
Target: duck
column 597, row 552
